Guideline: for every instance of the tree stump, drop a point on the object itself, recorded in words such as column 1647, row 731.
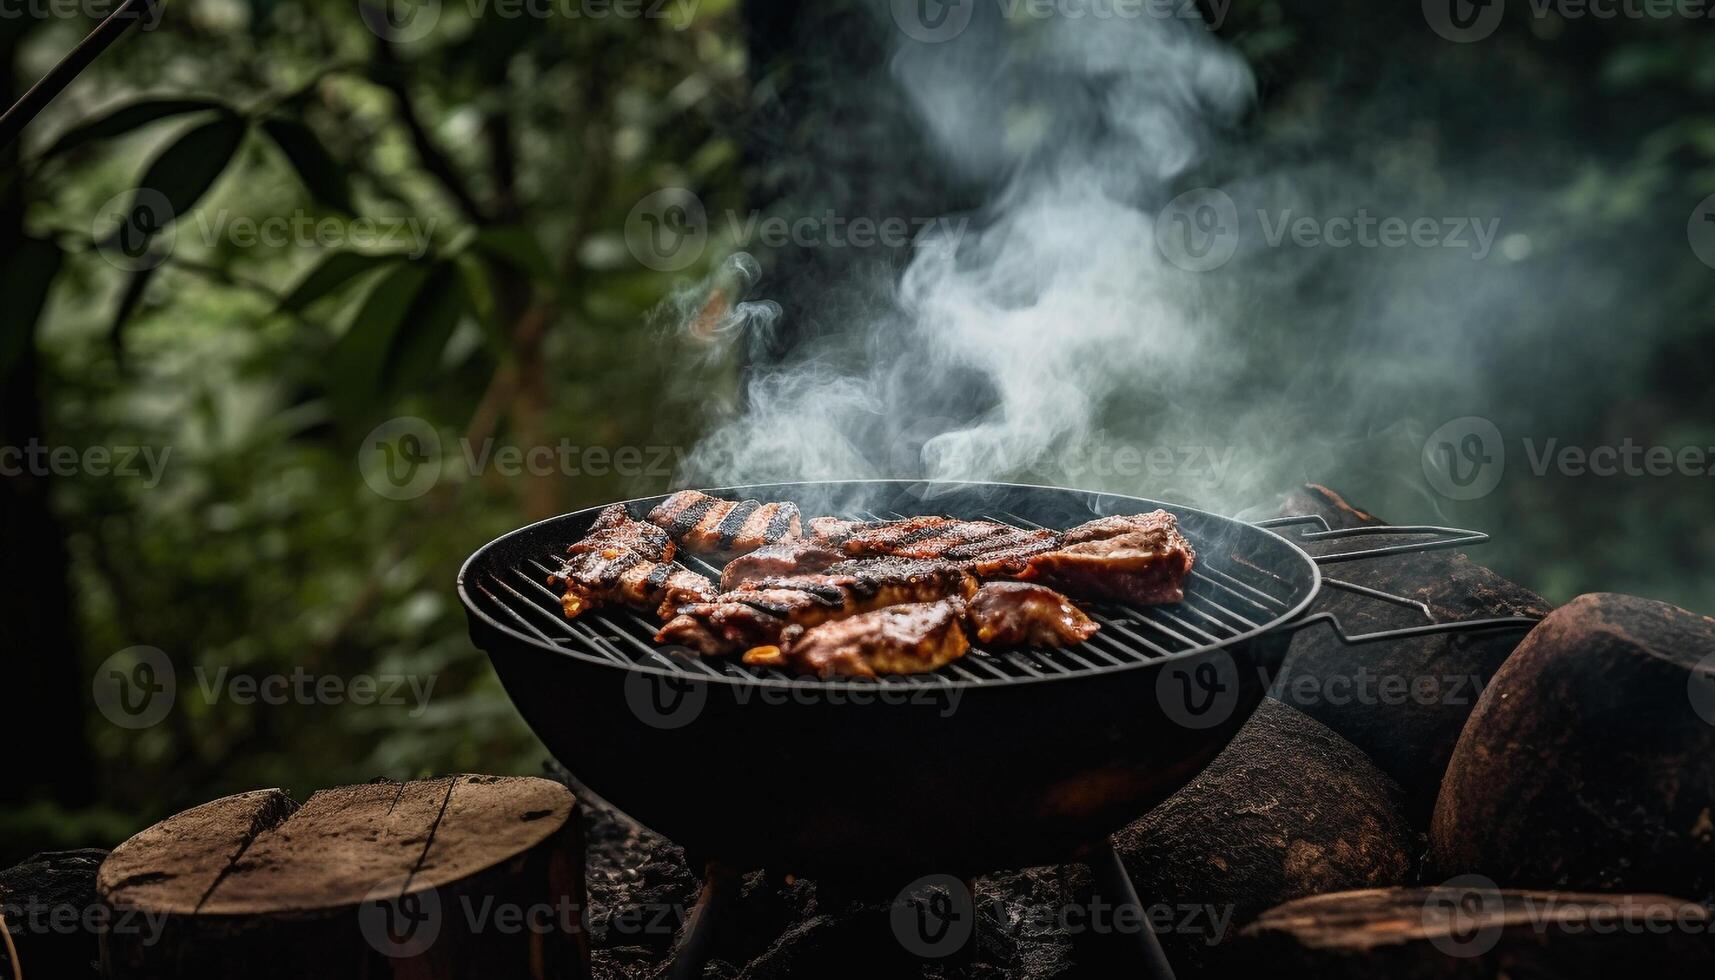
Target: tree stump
column 464, row 876
column 1590, row 761
column 1404, row 703
column 1289, row 809
column 1446, row 932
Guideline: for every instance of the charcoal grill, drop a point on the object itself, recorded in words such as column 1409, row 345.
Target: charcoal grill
column 1002, row 759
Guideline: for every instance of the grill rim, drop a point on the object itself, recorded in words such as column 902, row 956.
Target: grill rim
column 1285, row 621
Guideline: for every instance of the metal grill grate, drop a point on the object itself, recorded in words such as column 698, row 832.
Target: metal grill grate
column 1224, row 599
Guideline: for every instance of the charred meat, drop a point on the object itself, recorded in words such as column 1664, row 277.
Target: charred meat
column 977, row 544
column 1023, row 614
column 1141, row 558
column 763, row 612
column 626, row 562
column 793, row 557
column 709, row 525
column 904, row 639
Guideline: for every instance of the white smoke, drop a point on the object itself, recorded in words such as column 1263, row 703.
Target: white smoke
column 1001, row 350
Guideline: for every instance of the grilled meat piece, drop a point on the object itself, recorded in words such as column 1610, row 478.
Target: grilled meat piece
column 977, row 544
column 711, row 526
column 773, row 560
column 761, row 612
column 629, row 563
column 1141, row 558
column 1023, row 614
column 905, row 639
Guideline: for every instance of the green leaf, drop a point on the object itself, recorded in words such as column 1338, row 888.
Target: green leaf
column 357, row 375
column 126, row 118
column 416, row 353
column 183, row 172
column 321, row 174
column 134, row 290
column 26, row 272
column 330, row 275
column 518, row 248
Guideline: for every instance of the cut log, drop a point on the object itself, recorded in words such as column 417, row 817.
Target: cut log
column 460, row 876
column 1289, row 809
column 1590, row 761
column 1404, row 703
column 1431, row 933
column 51, row 915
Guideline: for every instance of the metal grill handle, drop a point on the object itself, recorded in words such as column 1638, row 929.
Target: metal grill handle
column 1434, row 538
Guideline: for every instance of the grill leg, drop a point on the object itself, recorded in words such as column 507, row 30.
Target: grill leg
column 1114, row 885
column 720, row 887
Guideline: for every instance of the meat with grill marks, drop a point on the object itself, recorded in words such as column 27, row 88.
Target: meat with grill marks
column 1137, row 558
column 764, row 612
column 977, row 544
column 1141, row 559
column 904, row 639
column 1023, row 614
column 708, row 525
column 773, row 560
column 626, row 562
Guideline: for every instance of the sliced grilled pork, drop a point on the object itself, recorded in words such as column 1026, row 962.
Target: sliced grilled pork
column 709, row 525
column 793, row 557
column 759, row 613
column 1023, row 614
column 626, row 562
column 904, row 639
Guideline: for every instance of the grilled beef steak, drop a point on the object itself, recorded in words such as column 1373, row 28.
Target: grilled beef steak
column 942, row 538
column 905, row 639
column 773, row 560
column 711, row 526
column 629, row 563
column 759, row 613
column 1140, row 559
column 1022, row 614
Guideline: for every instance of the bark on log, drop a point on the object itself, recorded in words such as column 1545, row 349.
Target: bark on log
column 1404, row 703
column 52, row 915
column 453, row 877
column 1289, row 809
column 1590, row 761
column 1446, row 932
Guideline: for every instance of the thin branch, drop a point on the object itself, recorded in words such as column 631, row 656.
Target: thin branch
column 391, row 76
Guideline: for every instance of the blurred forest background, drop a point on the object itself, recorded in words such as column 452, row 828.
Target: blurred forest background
column 515, row 148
